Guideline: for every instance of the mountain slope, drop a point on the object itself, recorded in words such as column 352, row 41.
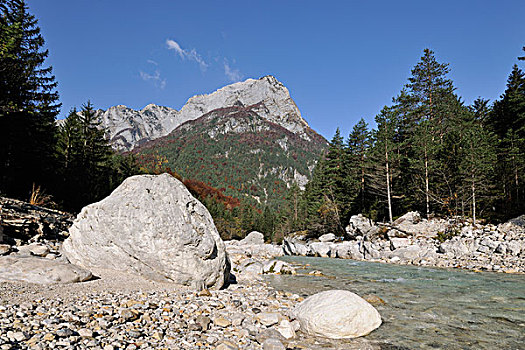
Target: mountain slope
column 240, row 150
column 128, row 128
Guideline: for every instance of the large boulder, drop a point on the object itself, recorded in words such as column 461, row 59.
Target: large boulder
column 337, row 314
column 359, row 225
column 321, row 249
column 153, row 226
column 40, row 270
column 412, row 218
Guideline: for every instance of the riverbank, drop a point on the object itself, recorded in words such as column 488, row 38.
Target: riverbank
column 415, row 241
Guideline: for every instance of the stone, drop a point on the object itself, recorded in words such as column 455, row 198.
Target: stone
column 226, row 345
column 40, row 270
column 221, row 322
column 409, row 252
column 501, row 248
column 151, row 225
column 514, row 247
column 273, row 266
column 457, row 247
column 359, row 225
column 20, row 336
column 347, row 250
column 273, row 344
column 38, row 249
column 514, row 227
column 286, row 329
column 268, row 318
column 328, row 237
column 5, row 249
column 293, row 246
column 85, row 333
column 253, row 237
column 412, row 217
column 337, row 314
column 254, row 268
column 370, row 250
column 321, row 249
column 398, row 243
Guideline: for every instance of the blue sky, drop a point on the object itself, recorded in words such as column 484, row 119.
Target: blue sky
column 341, row 60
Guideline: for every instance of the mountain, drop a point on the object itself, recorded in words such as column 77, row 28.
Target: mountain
column 128, row 128
column 241, row 151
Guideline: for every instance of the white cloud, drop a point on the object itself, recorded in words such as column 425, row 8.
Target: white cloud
column 191, row 55
column 153, row 62
column 157, row 80
column 234, row 75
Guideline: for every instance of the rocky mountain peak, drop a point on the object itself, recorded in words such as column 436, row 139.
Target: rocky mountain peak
column 128, row 128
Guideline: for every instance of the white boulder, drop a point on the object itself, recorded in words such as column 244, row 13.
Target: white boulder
column 253, row 237
column 327, row 237
column 153, row 226
column 337, row 314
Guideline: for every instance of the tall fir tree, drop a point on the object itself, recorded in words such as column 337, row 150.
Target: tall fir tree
column 28, row 103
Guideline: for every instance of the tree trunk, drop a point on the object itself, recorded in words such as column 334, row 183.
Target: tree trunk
column 388, row 184
column 362, row 185
column 473, row 201
column 427, row 199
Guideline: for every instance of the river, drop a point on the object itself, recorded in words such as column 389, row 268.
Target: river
column 424, row 308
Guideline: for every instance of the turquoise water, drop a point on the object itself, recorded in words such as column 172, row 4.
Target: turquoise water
column 425, row 308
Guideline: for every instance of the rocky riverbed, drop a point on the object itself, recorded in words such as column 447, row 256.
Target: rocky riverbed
column 122, row 311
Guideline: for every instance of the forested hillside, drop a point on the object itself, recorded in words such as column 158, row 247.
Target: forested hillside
column 236, row 150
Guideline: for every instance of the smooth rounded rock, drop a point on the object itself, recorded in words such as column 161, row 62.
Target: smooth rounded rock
column 337, row 314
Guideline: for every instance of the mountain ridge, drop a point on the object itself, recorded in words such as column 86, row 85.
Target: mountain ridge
column 128, row 128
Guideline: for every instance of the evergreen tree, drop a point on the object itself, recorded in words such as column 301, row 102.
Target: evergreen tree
column 90, row 170
column 477, row 164
column 358, row 144
column 507, row 121
column 429, row 92
column 28, row 103
column 384, row 157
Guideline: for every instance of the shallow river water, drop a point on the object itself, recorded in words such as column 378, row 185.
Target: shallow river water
column 425, row 308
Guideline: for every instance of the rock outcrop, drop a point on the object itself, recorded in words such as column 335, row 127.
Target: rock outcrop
column 128, row 128
column 153, row 226
column 337, row 314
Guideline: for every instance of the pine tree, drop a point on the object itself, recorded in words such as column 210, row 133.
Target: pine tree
column 28, row 103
